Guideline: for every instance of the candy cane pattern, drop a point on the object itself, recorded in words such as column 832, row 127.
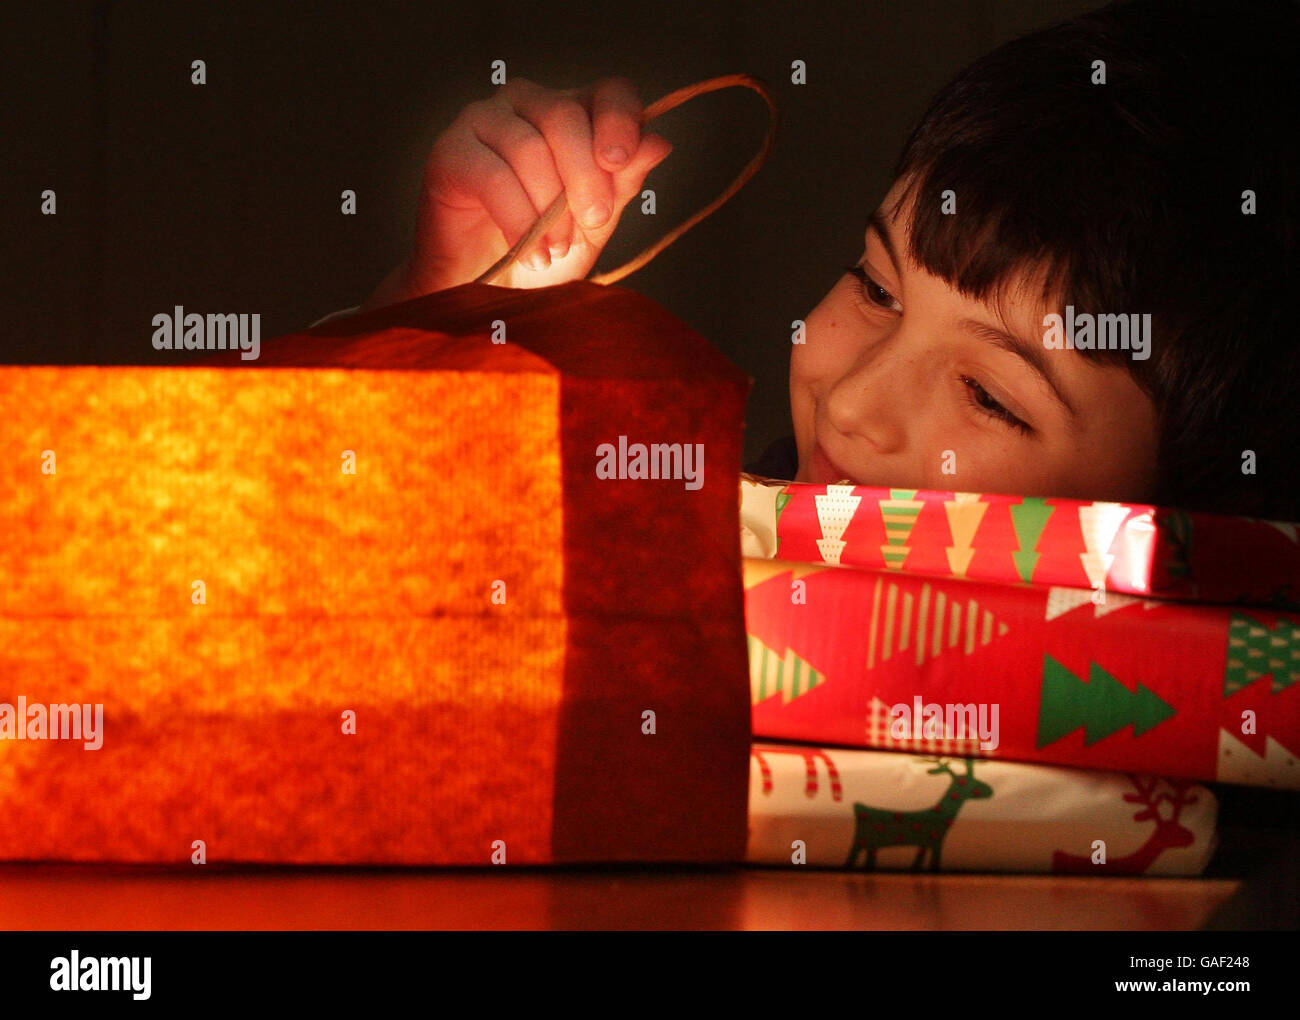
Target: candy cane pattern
column 763, row 768
column 810, row 756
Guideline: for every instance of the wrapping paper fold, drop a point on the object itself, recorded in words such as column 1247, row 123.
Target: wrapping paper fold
column 880, row 810
column 883, row 659
column 368, row 601
column 1118, row 547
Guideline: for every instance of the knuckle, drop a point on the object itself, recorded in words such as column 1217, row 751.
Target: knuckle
column 517, row 86
column 623, row 85
column 563, row 114
column 497, row 176
column 448, row 150
column 534, row 153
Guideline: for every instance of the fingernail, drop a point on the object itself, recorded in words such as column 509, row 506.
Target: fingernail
column 616, row 154
column 596, row 215
column 558, row 251
column 538, row 261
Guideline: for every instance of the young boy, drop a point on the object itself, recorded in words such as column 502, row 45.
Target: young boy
column 1078, row 284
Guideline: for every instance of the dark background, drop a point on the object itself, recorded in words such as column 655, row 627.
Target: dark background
column 226, row 197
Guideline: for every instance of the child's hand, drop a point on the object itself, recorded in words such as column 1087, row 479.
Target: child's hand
column 495, row 170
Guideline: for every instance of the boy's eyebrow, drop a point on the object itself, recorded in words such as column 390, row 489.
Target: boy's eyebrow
column 1034, row 355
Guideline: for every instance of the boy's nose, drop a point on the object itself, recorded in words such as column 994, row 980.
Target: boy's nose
column 866, row 404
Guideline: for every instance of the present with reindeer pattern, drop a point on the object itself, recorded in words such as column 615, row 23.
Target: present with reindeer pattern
column 882, row 810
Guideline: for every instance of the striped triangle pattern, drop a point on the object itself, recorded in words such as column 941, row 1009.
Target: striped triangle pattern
column 926, row 625
column 899, row 514
column 771, row 673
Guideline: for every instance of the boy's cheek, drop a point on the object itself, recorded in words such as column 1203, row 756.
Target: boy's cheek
column 801, row 412
column 825, row 351
column 815, row 365
column 828, row 353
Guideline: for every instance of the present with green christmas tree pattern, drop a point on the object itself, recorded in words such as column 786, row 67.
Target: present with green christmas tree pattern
column 895, row 661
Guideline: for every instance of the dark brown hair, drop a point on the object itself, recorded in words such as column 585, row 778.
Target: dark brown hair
column 1128, row 197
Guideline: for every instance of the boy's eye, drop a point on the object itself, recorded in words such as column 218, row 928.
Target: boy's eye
column 872, row 291
column 980, row 398
column 983, row 400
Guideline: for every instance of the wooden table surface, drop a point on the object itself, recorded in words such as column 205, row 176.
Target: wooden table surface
column 66, row 897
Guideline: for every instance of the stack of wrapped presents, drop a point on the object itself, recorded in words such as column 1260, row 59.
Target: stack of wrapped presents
column 974, row 682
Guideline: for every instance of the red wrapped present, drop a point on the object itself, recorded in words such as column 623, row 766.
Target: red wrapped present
column 1137, row 549
column 885, row 659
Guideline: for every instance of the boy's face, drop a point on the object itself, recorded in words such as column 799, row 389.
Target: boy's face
column 904, row 382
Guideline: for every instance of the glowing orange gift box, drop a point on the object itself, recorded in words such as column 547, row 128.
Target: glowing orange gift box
column 497, row 619
column 384, row 595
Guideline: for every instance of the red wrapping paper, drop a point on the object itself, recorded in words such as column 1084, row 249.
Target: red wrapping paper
column 1137, row 549
column 1137, row 685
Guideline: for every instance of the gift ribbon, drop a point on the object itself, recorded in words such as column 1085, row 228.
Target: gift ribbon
column 655, row 109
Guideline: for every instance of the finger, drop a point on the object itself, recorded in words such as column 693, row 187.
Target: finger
column 522, row 146
column 559, row 236
column 615, row 105
column 466, row 174
column 565, row 123
column 628, row 181
column 627, row 184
